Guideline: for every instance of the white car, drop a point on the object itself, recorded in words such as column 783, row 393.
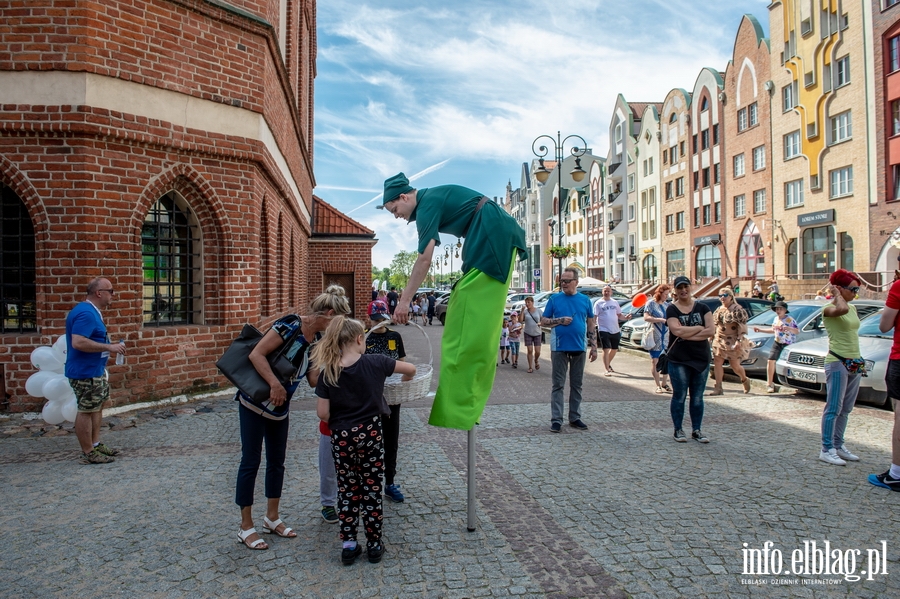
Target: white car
column 540, row 300
column 802, row 365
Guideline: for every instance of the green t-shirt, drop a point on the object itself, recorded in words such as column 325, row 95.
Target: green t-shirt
column 843, row 338
column 491, row 234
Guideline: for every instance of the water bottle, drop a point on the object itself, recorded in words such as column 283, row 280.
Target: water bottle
column 120, row 358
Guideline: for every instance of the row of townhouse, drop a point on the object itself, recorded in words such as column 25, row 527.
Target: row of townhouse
column 785, row 164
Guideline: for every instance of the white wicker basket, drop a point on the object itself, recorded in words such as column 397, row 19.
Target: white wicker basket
column 397, row 391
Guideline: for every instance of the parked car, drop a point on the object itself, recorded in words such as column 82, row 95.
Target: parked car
column 808, row 314
column 540, row 300
column 636, row 314
column 440, row 308
column 802, row 365
column 596, row 292
column 515, row 298
column 637, row 326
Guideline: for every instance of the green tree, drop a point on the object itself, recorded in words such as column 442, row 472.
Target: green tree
column 401, row 268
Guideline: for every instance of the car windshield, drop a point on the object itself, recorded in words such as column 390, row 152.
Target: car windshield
column 869, row 327
column 800, row 314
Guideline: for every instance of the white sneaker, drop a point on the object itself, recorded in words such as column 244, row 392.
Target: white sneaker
column 831, row 457
column 847, row 454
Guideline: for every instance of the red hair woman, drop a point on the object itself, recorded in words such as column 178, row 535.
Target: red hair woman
column 842, row 374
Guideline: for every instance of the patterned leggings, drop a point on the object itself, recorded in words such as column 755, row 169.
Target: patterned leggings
column 359, row 461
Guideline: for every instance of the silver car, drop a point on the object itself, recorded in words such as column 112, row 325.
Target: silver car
column 808, row 314
column 802, row 365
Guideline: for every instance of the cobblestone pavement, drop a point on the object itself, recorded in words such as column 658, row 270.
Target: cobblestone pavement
column 619, row 510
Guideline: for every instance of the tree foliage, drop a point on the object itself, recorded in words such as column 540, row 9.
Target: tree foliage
column 401, row 268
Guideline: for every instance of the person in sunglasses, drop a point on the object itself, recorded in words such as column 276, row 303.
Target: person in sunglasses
column 573, row 328
column 841, row 379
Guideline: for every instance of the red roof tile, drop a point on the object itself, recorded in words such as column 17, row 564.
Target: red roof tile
column 328, row 220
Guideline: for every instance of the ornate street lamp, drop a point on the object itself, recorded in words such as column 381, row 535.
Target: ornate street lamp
column 542, row 174
column 449, row 251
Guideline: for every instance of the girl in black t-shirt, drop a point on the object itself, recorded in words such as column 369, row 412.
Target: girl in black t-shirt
column 351, row 401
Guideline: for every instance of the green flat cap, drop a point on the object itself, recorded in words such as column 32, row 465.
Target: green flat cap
column 394, row 186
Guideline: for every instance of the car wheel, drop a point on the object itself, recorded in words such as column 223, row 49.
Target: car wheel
column 443, row 318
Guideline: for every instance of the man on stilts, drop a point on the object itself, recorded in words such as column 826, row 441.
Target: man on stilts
column 475, row 310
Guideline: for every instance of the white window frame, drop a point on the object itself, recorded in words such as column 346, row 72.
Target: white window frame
column 739, row 166
column 740, row 206
column 792, row 145
column 840, row 127
column 759, row 158
column 793, row 193
column 753, row 114
column 742, row 119
column 841, row 182
column 631, row 183
column 842, row 71
column 759, row 201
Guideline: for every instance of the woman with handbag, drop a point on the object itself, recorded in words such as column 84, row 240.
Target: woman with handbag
column 690, row 327
column 844, row 366
column 655, row 317
column 257, row 425
column 730, row 341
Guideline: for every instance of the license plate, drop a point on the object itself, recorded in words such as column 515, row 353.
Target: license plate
column 801, row 375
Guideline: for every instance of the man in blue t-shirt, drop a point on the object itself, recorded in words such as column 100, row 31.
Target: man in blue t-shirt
column 571, row 317
column 88, row 350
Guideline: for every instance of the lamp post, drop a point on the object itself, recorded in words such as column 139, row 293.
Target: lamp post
column 449, row 251
column 542, row 174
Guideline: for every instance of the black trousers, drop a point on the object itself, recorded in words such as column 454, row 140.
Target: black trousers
column 390, row 430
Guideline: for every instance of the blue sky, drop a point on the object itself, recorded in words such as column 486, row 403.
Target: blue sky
column 455, row 93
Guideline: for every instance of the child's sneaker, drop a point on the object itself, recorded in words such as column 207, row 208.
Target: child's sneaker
column 393, row 493
column 329, row 514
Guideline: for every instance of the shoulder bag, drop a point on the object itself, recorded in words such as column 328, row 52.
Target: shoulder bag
column 236, row 366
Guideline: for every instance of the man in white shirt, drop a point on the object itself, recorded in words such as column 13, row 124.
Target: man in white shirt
column 608, row 314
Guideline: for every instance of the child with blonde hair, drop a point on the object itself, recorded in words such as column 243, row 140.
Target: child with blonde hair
column 351, row 401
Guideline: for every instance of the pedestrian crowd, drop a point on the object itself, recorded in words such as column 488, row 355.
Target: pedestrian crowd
column 349, row 362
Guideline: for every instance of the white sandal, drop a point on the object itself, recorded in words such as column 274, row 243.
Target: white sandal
column 271, row 527
column 242, row 538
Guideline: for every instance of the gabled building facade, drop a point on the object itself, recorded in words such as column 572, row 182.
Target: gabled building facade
column 675, row 208
column 707, row 182
column 646, row 253
column 749, row 152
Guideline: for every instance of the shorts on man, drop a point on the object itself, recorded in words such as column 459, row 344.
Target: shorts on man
column 610, row 340
column 91, row 394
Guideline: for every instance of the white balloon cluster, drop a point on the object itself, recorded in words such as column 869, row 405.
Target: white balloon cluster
column 50, row 382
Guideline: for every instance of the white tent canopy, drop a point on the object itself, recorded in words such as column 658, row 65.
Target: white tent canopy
column 591, row 281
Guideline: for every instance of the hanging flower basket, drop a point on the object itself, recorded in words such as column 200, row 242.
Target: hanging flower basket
column 559, row 251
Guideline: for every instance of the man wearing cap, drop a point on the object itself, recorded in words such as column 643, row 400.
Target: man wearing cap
column 475, row 309
column 786, row 330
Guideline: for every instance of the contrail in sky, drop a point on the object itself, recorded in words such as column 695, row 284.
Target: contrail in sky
column 418, row 175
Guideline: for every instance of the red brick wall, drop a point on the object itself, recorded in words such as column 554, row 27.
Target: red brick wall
column 88, row 176
column 886, row 24
column 343, row 257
